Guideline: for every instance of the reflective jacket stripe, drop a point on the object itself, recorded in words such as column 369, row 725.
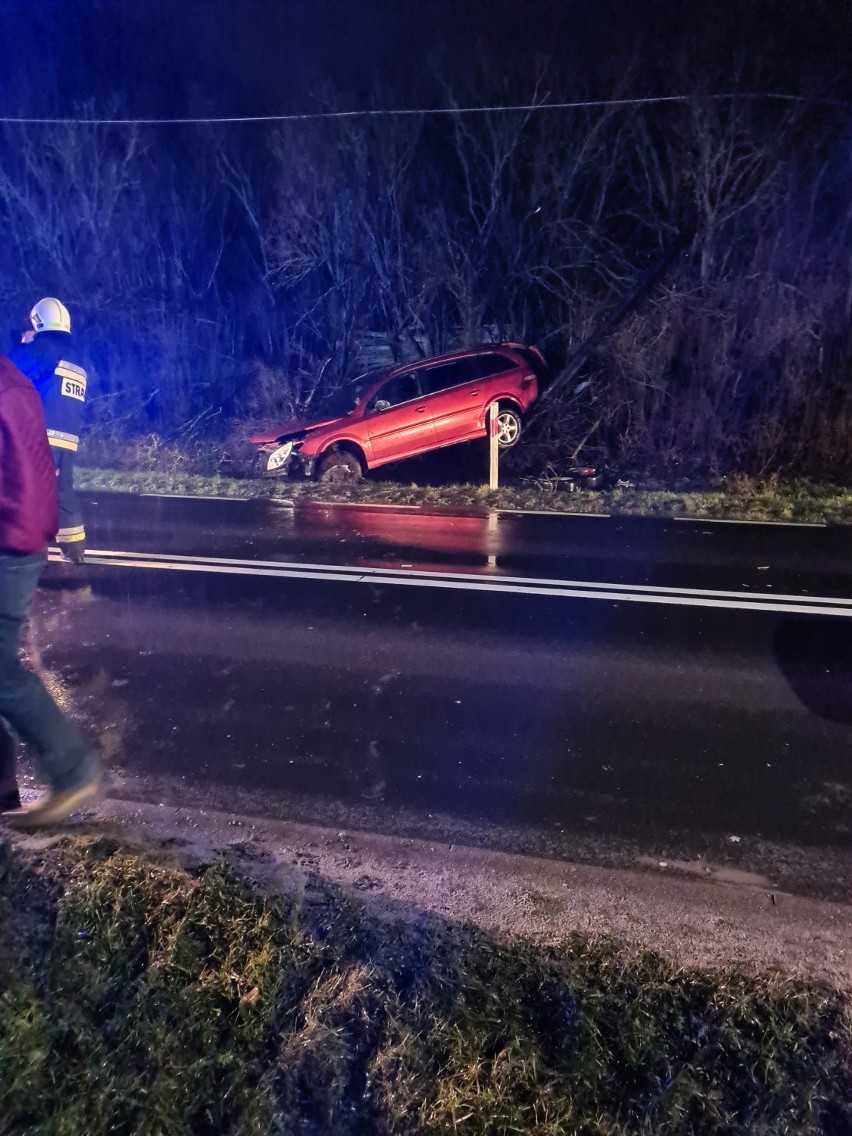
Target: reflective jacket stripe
column 63, row 367
column 62, row 441
column 64, row 371
column 70, row 535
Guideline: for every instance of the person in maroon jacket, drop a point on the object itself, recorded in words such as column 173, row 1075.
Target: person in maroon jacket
column 28, row 524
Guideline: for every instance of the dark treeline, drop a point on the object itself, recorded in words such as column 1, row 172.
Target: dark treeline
column 223, row 275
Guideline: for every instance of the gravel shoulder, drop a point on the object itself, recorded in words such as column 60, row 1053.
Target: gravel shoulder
column 722, row 917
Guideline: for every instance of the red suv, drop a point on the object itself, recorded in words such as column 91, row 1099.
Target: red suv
column 398, row 412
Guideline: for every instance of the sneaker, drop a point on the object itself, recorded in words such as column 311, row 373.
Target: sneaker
column 54, row 807
column 10, row 801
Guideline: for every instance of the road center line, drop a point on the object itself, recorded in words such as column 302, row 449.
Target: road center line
column 519, row 585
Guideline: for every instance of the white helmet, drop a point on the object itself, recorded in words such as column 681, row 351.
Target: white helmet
column 50, row 314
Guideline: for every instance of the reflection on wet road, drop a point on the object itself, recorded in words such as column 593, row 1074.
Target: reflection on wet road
column 698, row 554
column 330, row 700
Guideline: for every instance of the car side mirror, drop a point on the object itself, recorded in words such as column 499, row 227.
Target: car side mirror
column 381, row 405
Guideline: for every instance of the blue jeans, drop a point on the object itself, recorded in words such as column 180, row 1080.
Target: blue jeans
column 64, row 757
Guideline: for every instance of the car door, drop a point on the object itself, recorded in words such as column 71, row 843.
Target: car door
column 457, row 394
column 452, row 400
column 399, row 423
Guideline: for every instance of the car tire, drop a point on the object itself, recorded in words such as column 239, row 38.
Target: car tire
column 340, row 467
column 510, row 426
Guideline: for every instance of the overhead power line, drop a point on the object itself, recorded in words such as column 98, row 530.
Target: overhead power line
column 311, row 116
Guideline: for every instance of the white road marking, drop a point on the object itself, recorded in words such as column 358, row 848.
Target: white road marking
column 425, row 507
column 731, row 521
column 556, row 513
column 519, row 585
column 195, row 497
column 286, row 502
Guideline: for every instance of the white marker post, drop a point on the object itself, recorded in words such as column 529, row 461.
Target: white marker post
column 493, row 448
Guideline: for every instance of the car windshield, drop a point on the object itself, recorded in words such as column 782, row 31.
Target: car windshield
column 344, row 400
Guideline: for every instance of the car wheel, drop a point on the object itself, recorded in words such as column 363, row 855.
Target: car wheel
column 509, row 426
column 339, row 468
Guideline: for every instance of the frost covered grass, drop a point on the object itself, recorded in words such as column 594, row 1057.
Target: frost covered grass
column 137, row 996
column 734, row 498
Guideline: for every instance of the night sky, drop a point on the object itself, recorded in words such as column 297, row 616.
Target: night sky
column 161, row 57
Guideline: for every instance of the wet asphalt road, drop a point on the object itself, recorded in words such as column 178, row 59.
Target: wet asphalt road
column 544, row 723
column 793, row 559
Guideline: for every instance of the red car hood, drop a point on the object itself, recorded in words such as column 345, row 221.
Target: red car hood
column 289, row 428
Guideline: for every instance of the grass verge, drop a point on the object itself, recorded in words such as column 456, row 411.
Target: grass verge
column 139, row 997
column 732, row 499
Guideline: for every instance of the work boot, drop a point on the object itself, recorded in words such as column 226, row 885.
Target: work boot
column 54, row 807
column 10, row 801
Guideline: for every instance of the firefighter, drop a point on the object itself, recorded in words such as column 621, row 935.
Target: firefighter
column 46, row 356
column 28, row 517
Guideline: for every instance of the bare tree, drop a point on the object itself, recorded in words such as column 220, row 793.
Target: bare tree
column 218, row 280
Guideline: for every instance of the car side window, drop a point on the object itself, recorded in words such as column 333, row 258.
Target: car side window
column 467, row 370
column 446, row 375
column 401, row 389
column 484, row 366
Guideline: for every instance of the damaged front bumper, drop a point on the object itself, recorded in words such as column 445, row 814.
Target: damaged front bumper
column 283, row 459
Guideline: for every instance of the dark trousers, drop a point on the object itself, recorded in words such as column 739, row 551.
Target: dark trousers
column 63, row 755
column 71, row 529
